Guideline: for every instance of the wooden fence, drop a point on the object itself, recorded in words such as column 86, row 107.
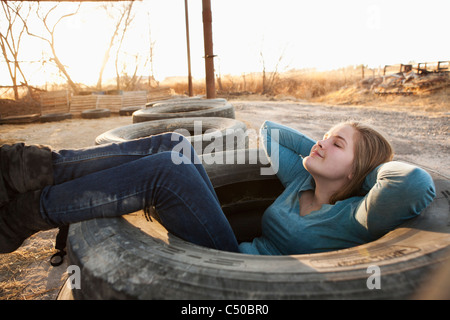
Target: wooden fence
column 63, row 102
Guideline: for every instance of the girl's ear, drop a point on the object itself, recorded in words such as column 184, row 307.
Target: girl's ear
column 350, row 176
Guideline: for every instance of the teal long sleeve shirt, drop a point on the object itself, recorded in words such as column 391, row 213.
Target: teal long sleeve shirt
column 395, row 193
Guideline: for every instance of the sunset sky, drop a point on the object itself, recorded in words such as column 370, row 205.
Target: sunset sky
column 322, row 34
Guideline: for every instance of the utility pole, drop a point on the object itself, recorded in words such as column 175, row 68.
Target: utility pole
column 188, row 48
column 209, row 56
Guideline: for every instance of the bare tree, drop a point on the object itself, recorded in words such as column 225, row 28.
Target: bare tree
column 127, row 22
column 124, row 13
column 152, row 43
column 269, row 82
column 129, row 82
column 50, row 38
column 10, row 39
column 123, row 79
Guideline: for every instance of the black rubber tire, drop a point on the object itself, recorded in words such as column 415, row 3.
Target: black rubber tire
column 95, row 113
column 128, row 111
column 187, row 109
column 55, row 117
column 230, row 130
column 174, row 100
column 132, row 258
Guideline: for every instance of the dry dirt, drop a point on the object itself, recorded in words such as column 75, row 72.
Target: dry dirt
column 419, row 137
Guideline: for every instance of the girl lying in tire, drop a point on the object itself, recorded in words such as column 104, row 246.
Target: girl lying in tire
column 341, row 191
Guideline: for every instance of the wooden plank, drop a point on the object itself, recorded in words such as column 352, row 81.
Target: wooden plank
column 134, row 98
column 79, row 104
column 159, row 94
column 55, row 102
column 112, row 102
column 27, row 118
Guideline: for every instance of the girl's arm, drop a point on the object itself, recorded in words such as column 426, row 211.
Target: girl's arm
column 285, row 148
column 398, row 192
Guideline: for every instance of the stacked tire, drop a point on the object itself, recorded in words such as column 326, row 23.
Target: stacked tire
column 209, row 124
column 185, row 109
column 206, row 134
column 132, row 258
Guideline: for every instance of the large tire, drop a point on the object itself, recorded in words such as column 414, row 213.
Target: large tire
column 55, row 117
column 186, row 109
column 217, row 134
column 95, row 113
column 174, row 100
column 132, row 258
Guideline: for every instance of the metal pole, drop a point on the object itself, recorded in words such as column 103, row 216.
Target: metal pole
column 188, row 49
column 209, row 56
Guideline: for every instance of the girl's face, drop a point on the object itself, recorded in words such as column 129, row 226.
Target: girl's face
column 332, row 157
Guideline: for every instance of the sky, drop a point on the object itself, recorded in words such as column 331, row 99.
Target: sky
column 320, row 34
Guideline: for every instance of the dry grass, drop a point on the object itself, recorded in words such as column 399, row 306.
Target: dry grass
column 434, row 102
column 12, row 268
column 22, row 271
column 300, row 84
column 338, row 87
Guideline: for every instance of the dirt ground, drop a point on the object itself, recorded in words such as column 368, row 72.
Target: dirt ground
column 417, row 136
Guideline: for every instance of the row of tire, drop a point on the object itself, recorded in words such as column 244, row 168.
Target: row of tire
column 171, row 108
column 156, row 110
column 199, row 119
column 134, row 258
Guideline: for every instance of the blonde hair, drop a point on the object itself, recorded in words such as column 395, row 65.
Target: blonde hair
column 371, row 149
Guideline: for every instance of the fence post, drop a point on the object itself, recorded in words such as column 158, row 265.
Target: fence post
column 209, row 56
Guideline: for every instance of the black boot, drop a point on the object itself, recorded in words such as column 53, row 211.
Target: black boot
column 20, row 219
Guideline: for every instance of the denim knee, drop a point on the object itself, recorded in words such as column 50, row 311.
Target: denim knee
column 183, row 150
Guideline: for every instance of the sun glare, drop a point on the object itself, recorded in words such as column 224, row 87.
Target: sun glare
column 285, row 34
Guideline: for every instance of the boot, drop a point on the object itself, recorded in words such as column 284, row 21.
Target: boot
column 19, row 219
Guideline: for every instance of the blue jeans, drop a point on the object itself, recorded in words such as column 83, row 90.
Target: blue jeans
column 115, row 179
